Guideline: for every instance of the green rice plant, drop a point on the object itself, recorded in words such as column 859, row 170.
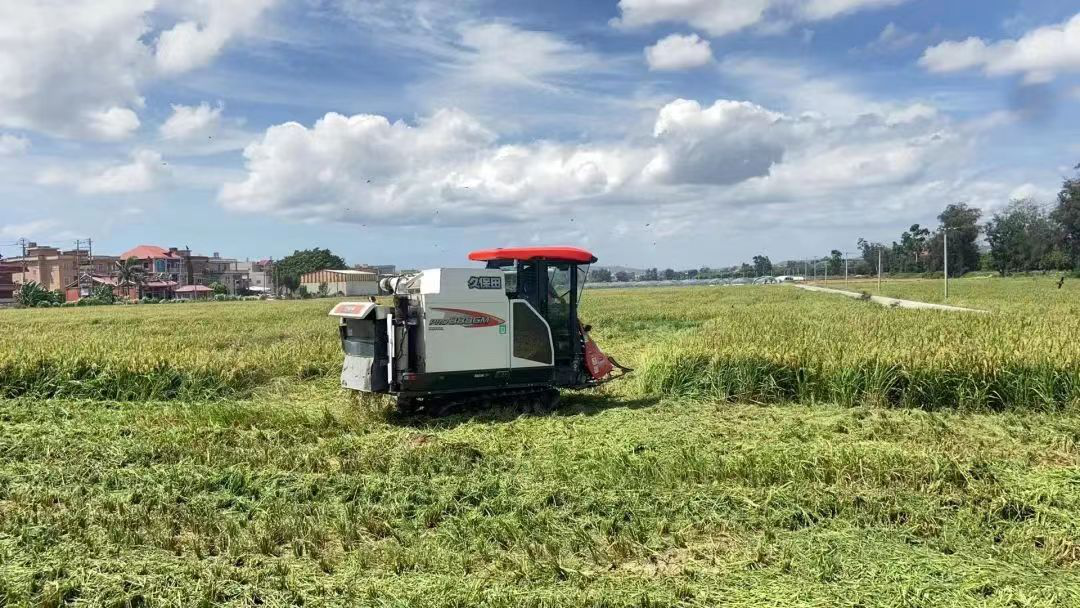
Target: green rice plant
column 759, row 344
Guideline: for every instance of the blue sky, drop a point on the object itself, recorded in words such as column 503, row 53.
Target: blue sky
column 655, row 132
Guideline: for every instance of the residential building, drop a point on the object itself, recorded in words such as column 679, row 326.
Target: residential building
column 87, row 283
column 226, row 271
column 159, row 289
column 341, row 282
column 99, row 265
column 194, row 292
column 163, row 264
column 7, row 281
column 48, row 266
column 197, row 269
column 260, row 275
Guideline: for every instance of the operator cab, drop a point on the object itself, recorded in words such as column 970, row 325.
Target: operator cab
column 550, row 279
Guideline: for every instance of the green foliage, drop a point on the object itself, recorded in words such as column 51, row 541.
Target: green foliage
column 219, row 289
column 600, row 275
column 962, row 223
column 1067, row 215
column 32, row 295
column 1023, row 237
column 289, row 269
column 130, row 272
column 324, row 290
column 836, row 263
column 104, row 294
column 762, row 265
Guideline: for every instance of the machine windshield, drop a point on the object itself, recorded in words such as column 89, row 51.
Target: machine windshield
column 582, row 276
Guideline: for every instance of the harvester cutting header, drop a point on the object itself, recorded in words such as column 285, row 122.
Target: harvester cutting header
column 458, row 334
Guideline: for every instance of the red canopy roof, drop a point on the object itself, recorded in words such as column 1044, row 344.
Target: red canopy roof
column 148, row 252
column 557, row 254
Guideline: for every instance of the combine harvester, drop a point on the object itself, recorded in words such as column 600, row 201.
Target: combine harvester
column 460, row 335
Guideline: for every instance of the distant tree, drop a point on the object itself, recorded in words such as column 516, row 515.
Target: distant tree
column 836, row 262
column 324, row 290
column 669, row 274
column 691, row 274
column 869, row 253
column 762, row 265
column 1067, row 216
column 31, row 294
column 651, row 274
column 622, row 276
column 219, row 289
column 962, row 223
column 103, row 294
column 745, row 270
column 1023, row 237
column 600, row 275
column 913, row 247
column 288, row 270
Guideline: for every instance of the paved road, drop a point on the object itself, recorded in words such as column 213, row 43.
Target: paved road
column 892, row 302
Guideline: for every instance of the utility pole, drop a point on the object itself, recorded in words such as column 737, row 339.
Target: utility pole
column 845, row 268
column 945, row 234
column 826, row 274
column 879, row 269
column 78, row 273
column 22, row 273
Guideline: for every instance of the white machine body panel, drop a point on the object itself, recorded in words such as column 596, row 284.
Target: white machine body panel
column 466, row 320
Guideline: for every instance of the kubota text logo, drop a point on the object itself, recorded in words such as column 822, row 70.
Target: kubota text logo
column 465, row 318
column 485, row 282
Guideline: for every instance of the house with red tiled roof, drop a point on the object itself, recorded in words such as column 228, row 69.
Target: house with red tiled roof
column 157, row 260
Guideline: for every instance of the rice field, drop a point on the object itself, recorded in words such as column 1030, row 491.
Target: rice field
column 757, row 344
column 775, row 448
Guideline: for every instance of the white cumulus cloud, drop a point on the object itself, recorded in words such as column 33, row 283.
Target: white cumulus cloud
column 819, row 10
column 76, row 68
column 726, row 143
column 446, row 168
column 189, row 122
column 679, row 52
column 721, row 17
column 11, row 145
column 194, row 42
column 1039, row 55
column 450, row 169
column 146, row 171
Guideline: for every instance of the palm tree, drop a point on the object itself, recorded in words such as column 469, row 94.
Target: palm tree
column 129, row 272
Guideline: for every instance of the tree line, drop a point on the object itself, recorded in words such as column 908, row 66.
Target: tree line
column 1025, row 236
